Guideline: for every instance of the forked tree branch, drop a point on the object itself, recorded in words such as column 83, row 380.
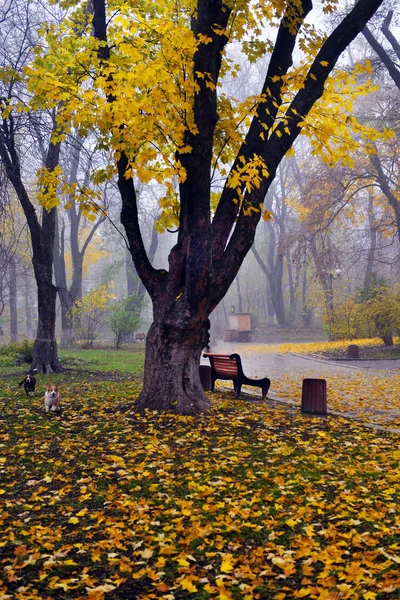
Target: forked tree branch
column 383, row 55
column 285, row 135
column 255, row 140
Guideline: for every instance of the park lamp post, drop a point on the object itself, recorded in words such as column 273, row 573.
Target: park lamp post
column 335, row 273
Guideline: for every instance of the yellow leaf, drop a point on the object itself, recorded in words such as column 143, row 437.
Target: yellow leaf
column 73, row 520
column 302, row 593
column 227, row 564
column 186, row 584
column 291, row 522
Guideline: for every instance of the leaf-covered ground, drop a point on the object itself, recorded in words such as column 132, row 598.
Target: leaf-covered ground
column 256, row 501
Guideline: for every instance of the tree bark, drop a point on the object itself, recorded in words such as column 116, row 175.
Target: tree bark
column 307, row 310
column 383, row 55
column 45, row 355
column 171, row 375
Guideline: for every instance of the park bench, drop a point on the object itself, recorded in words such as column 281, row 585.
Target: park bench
column 229, row 367
column 140, row 337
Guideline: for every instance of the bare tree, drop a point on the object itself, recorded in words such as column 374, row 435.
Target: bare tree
column 18, row 32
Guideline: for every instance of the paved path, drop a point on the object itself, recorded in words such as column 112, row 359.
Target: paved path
column 260, row 362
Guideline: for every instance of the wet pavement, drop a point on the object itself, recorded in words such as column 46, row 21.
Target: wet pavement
column 351, row 384
column 262, row 362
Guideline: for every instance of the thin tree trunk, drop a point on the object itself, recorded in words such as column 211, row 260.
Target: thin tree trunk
column 239, row 293
column 270, row 306
column 385, row 187
column 13, row 300
column 28, row 308
column 307, row 311
column 60, row 275
column 292, row 294
column 372, row 245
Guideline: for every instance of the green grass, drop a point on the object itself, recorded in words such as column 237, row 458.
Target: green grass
column 105, row 360
column 255, row 501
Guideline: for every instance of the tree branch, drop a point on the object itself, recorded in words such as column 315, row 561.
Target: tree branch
column 281, row 141
column 383, row 55
column 254, row 143
column 389, row 35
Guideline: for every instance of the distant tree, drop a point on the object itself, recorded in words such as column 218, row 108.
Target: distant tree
column 79, row 234
column 89, row 315
column 18, row 33
column 381, row 308
column 125, row 319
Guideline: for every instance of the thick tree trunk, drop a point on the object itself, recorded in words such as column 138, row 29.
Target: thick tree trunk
column 132, row 278
column 172, row 379
column 277, row 298
column 45, row 355
column 387, row 339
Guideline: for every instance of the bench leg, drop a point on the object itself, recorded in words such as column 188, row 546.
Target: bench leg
column 238, row 387
column 265, row 389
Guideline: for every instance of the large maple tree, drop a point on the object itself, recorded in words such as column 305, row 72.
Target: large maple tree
column 147, row 77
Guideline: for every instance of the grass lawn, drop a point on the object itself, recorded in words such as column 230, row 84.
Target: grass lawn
column 106, row 360
column 256, row 501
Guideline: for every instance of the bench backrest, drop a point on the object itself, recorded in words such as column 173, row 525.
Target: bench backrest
column 223, row 365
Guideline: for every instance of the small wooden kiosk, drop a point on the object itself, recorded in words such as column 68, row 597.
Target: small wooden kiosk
column 239, row 328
